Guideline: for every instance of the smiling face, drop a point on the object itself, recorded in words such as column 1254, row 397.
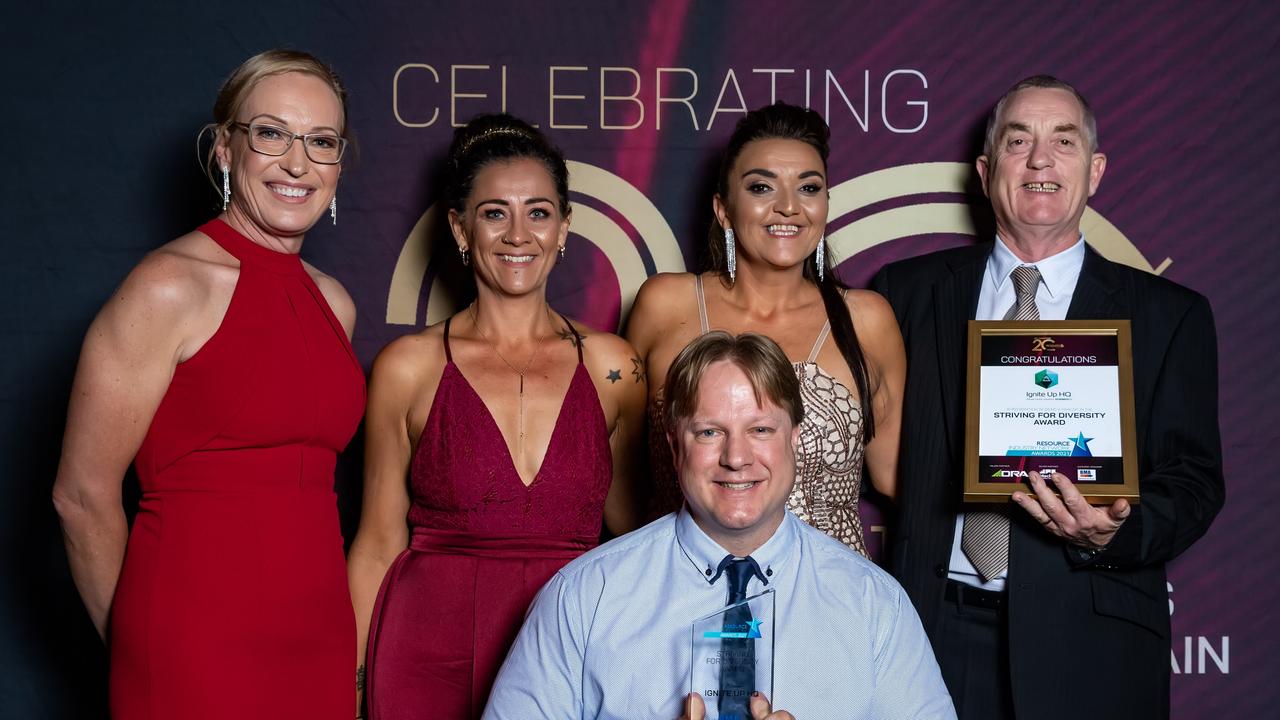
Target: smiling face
column 735, row 456
column 512, row 226
column 1041, row 171
column 281, row 197
column 776, row 203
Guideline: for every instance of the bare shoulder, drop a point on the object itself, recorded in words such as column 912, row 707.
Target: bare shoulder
column 340, row 302
column 599, row 346
column 409, row 360
column 661, row 291
column 668, row 282
column 664, row 299
column 872, row 315
column 170, row 303
column 178, row 279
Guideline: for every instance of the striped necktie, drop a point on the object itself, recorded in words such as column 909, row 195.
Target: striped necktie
column 985, row 540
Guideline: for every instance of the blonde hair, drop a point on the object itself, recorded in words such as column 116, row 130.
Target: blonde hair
column 767, row 369
column 235, row 91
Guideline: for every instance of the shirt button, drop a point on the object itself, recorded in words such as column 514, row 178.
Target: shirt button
column 940, row 571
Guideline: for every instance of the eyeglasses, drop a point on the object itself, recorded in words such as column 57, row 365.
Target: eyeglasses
column 322, row 148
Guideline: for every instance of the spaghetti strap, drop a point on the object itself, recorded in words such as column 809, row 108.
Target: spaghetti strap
column 817, row 345
column 576, row 335
column 448, row 356
column 702, row 304
column 826, row 330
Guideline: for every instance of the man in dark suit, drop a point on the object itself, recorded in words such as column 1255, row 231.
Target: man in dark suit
column 1049, row 607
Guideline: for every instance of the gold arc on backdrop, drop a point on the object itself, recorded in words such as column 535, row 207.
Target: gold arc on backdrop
column 624, row 256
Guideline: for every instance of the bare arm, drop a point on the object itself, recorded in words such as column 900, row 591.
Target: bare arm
column 383, row 533
column 620, row 381
column 651, row 313
column 126, row 364
column 887, row 370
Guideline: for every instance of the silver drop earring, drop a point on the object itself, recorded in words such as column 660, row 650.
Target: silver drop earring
column 226, row 186
column 561, row 252
column 466, row 259
column 333, row 210
column 730, row 255
column 819, row 256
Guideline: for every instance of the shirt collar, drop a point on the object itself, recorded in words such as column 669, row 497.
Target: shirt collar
column 1056, row 271
column 705, row 554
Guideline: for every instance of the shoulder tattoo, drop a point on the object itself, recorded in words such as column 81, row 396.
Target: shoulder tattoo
column 572, row 337
column 637, row 369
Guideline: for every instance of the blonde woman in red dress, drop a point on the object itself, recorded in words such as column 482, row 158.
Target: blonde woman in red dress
column 222, row 368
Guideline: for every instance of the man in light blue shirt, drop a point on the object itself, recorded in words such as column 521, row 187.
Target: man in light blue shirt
column 609, row 635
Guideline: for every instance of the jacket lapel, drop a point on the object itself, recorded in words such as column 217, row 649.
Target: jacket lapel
column 1096, row 296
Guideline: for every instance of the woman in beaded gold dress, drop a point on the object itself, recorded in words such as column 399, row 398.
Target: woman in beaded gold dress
column 770, row 274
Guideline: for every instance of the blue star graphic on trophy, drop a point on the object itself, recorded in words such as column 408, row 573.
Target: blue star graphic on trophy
column 754, row 632
column 1081, row 447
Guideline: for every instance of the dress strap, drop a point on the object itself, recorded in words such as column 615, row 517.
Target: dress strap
column 822, row 335
column 576, row 336
column 817, row 345
column 448, row 356
column 702, row 304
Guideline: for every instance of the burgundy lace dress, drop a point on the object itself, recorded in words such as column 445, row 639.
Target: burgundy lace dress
column 482, row 546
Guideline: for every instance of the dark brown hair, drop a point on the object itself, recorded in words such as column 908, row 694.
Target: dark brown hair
column 500, row 138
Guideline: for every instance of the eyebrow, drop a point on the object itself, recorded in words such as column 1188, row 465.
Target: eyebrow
column 285, row 123
column 1015, row 126
column 773, row 175
column 1022, row 127
column 498, row 201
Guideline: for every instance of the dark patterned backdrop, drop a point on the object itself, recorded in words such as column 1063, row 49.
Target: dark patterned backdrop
column 102, row 107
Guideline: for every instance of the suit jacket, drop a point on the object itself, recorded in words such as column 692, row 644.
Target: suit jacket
column 1088, row 637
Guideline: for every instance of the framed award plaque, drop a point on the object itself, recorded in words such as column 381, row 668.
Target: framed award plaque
column 1050, row 396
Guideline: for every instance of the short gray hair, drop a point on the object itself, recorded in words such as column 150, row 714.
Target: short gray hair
column 1048, row 82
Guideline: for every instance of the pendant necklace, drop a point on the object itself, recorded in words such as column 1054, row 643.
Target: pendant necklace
column 475, row 321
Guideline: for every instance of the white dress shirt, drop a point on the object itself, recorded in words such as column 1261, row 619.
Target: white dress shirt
column 609, row 635
column 1058, row 276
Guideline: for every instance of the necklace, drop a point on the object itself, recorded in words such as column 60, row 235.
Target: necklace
column 475, row 321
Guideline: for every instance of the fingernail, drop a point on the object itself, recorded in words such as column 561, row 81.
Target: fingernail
column 755, row 693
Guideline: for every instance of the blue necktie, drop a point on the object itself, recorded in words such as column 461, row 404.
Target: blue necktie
column 737, row 655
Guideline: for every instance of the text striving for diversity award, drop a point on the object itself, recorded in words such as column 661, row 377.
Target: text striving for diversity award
column 733, row 656
column 1050, row 396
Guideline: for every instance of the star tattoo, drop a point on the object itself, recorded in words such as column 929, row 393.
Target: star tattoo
column 637, row 369
column 615, row 376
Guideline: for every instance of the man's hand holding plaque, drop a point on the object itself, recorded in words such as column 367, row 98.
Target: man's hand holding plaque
column 1070, row 516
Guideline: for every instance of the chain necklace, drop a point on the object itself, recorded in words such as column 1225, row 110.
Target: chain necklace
column 475, row 321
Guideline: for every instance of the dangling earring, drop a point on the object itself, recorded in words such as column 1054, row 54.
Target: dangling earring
column 333, row 208
column 466, row 257
column 561, row 252
column 819, row 256
column 226, row 186
column 730, row 255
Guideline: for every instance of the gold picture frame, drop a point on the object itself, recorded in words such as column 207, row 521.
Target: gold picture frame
column 1094, row 397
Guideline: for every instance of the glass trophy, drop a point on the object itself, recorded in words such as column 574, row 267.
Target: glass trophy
column 732, row 656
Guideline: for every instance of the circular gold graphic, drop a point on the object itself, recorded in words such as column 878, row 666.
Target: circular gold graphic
column 625, row 258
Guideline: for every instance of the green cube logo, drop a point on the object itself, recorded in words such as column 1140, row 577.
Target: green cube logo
column 1046, row 378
